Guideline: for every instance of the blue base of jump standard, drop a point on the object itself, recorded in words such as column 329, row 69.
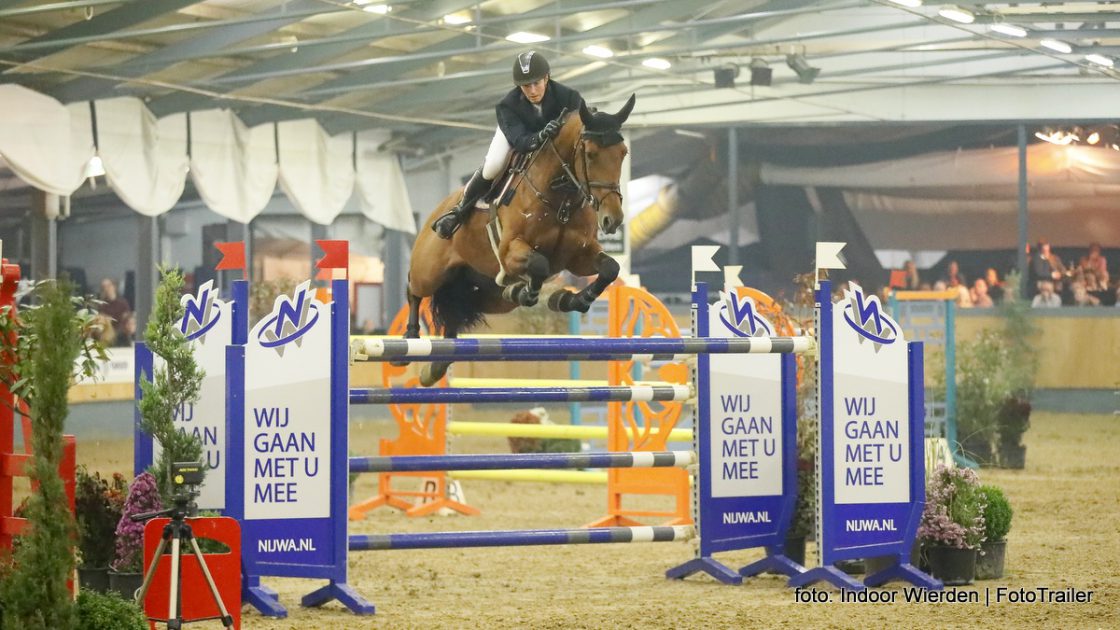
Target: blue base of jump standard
column 870, row 452
column 746, row 488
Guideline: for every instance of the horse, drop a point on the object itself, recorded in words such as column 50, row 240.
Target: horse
column 567, row 192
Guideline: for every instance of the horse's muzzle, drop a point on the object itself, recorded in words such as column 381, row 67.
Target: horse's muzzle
column 609, row 224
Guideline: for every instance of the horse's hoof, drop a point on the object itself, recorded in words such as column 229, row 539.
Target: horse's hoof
column 431, row 374
column 400, row 363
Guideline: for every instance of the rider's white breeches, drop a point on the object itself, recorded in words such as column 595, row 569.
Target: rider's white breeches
column 497, row 156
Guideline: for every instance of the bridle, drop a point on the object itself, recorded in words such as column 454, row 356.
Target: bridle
column 569, row 180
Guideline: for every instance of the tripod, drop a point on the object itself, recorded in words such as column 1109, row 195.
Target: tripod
column 177, row 531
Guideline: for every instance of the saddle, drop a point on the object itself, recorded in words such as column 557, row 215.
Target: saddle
column 502, row 190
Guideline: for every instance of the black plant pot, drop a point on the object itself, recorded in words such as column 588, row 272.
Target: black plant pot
column 978, row 449
column 952, row 566
column 918, row 556
column 795, row 549
column 1012, row 455
column 126, row 584
column 989, row 564
column 94, row 579
column 874, row 565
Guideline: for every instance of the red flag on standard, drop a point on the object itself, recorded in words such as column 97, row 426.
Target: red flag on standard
column 336, row 255
column 233, row 255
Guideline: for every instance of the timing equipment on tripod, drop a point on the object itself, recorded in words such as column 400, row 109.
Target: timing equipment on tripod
column 185, row 478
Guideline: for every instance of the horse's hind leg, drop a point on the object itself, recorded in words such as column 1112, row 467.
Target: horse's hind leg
column 412, row 329
column 567, row 301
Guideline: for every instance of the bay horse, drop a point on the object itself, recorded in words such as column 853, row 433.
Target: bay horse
column 567, row 192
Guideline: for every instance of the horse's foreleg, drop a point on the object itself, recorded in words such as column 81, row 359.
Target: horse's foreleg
column 521, row 260
column 431, row 373
column 412, row 329
column 567, row 301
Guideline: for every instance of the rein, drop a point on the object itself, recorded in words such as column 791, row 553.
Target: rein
column 570, row 181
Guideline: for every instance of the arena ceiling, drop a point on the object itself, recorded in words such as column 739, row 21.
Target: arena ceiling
column 431, row 70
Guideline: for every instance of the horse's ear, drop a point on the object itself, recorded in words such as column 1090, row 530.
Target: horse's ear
column 624, row 113
column 585, row 114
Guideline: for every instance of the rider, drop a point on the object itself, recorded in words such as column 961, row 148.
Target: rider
column 526, row 120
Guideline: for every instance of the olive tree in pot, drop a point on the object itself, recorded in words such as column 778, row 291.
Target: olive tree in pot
column 982, row 389
column 997, row 522
column 952, row 524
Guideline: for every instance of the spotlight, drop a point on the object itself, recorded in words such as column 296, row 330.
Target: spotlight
column 725, row 76
column 761, row 73
column 800, row 65
column 956, row 14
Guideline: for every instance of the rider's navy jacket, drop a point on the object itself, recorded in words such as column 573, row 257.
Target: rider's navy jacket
column 519, row 120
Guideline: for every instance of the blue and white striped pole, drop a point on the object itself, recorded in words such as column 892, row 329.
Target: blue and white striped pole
column 520, row 395
column 568, row 349
column 521, row 538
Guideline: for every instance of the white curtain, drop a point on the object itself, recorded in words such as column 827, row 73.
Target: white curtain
column 316, row 170
column 145, row 159
column 381, row 187
column 233, row 167
column 41, row 142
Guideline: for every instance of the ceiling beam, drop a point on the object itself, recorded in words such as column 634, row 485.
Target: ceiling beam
column 122, row 17
column 6, row 9
column 308, row 56
column 89, row 88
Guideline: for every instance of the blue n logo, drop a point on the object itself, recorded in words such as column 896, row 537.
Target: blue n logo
column 294, row 312
column 742, row 313
column 868, row 311
column 199, row 313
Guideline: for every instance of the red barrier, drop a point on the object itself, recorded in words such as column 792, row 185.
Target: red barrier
column 13, row 464
column 225, row 568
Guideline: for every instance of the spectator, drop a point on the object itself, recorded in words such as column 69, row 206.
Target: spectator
column 1081, row 297
column 1095, row 262
column 101, row 329
column 114, row 305
column 980, row 296
column 956, row 278
column 1047, row 266
column 913, row 281
column 127, row 335
column 995, row 285
column 1046, row 297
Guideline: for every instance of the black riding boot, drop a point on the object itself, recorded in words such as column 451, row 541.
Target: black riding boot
column 446, row 225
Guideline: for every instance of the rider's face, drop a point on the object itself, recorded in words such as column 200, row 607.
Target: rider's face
column 535, row 91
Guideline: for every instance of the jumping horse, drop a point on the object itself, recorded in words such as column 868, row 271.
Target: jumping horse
column 567, row 192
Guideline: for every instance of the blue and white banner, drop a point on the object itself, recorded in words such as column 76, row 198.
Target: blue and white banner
column 287, row 433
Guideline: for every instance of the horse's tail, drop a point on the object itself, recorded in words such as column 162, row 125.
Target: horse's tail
column 458, row 304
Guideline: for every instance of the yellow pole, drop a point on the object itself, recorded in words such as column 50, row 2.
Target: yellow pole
column 552, row 431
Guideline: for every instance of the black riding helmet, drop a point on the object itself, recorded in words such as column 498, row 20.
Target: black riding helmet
column 529, row 67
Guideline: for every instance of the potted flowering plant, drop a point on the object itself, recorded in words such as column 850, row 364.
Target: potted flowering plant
column 997, row 522
column 952, row 524
column 98, row 504
column 126, row 575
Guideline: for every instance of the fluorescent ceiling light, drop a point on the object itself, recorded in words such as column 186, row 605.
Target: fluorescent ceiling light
column 956, row 14
column 525, row 37
column 657, row 63
column 1010, row 30
column 1100, row 60
column 379, row 9
column 455, row 19
column 601, row 52
column 1056, row 45
column 913, row 4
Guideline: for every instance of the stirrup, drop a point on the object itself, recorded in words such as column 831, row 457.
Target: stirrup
column 453, row 218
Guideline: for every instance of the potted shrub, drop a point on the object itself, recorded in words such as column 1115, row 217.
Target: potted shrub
column 982, row 389
column 173, row 385
column 997, row 522
column 804, row 513
column 43, row 349
column 127, row 567
column 1020, row 369
column 98, row 504
column 952, row 524
column 105, row 611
